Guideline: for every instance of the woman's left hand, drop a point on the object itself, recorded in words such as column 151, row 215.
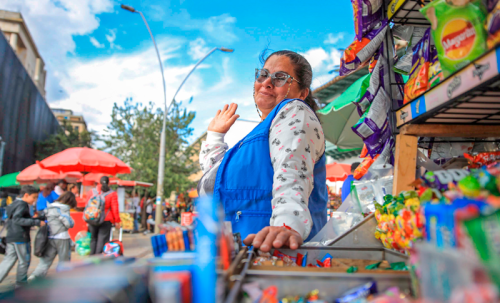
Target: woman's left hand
column 274, row 236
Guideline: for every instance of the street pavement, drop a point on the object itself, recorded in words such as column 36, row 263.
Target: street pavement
column 134, row 245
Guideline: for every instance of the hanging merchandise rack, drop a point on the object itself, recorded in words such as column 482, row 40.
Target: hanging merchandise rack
column 406, row 12
column 465, row 105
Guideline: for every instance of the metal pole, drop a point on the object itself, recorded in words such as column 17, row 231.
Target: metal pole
column 2, row 150
column 161, row 161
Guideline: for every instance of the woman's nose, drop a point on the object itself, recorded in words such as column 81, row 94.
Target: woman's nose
column 267, row 83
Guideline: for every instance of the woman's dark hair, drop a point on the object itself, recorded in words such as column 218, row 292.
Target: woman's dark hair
column 67, row 198
column 302, row 69
column 104, row 184
column 49, row 187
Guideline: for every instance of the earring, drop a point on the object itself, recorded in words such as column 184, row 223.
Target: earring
column 256, row 107
column 288, row 89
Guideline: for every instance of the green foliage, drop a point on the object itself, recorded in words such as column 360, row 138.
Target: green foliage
column 134, row 137
column 65, row 138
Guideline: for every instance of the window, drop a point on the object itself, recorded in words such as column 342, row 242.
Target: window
column 77, row 128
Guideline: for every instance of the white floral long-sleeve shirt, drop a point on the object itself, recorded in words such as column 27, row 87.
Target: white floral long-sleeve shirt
column 296, row 143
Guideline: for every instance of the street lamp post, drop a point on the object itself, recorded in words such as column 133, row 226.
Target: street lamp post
column 161, row 161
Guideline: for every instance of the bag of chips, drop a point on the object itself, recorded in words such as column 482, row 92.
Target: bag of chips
column 419, row 76
column 367, row 15
column 458, row 31
column 359, row 52
column 493, row 26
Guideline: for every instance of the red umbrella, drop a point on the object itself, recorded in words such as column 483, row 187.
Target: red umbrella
column 93, row 178
column 337, row 172
column 34, row 173
column 87, row 160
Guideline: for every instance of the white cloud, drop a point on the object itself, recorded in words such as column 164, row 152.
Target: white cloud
column 96, row 43
column 334, row 38
column 221, row 28
column 111, row 37
column 55, row 23
column 198, row 49
column 322, row 62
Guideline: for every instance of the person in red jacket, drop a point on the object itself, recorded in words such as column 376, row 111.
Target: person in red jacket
column 99, row 235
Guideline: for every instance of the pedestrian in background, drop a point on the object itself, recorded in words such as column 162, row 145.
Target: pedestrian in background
column 3, row 206
column 41, row 202
column 18, row 235
column 100, row 234
column 346, row 186
column 137, row 210
column 59, row 221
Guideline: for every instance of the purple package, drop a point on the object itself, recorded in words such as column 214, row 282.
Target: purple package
column 367, row 15
column 490, row 5
column 373, row 126
column 357, row 54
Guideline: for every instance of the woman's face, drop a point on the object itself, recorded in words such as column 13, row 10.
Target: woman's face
column 267, row 96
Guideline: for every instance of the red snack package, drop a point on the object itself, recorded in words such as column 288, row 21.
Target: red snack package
column 483, row 158
column 281, row 256
column 364, row 151
column 363, row 167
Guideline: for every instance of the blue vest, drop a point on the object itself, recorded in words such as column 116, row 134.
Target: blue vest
column 244, row 183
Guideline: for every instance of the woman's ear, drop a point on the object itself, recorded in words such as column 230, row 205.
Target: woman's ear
column 304, row 93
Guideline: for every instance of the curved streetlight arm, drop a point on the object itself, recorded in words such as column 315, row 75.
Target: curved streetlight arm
column 189, row 74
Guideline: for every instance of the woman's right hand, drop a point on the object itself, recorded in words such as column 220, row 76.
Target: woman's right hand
column 224, row 119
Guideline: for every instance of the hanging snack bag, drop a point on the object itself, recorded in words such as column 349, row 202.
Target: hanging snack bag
column 435, row 71
column 458, row 31
column 419, row 75
column 493, row 26
column 367, row 15
column 359, row 52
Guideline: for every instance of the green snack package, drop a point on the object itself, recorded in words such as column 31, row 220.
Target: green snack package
column 458, row 32
column 373, row 266
column 399, row 266
column 485, row 234
column 352, row 269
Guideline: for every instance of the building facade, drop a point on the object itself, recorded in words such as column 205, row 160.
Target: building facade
column 17, row 34
column 76, row 121
column 25, row 117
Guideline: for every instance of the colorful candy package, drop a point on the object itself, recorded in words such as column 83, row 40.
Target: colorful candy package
column 458, row 31
column 493, row 26
column 358, row 293
column 359, row 52
column 482, row 158
column 367, row 15
column 419, row 76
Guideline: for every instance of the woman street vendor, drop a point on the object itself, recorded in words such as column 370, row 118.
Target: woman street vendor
column 272, row 184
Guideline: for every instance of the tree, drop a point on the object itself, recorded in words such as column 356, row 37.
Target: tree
column 65, row 138
column 134, row 137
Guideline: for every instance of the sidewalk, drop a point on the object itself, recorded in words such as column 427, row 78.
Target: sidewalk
column 134, row 245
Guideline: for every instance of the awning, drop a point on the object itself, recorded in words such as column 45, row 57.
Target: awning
column 9, row 180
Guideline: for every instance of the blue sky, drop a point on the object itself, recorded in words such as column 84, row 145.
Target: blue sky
column 97, row 54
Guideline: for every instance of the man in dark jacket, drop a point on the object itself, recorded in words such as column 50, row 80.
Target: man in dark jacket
column 18, row 235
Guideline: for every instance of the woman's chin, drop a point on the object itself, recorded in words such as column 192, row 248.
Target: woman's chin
column 266, row 102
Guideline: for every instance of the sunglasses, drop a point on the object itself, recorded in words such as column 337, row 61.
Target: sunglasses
column 278, row 79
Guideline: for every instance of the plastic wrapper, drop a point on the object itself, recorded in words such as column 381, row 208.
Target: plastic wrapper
column 493, row 27
column 417, row 84
column 373, row 126
column 485, row 234
column 359, row 52
column 441, row 179
column 482, row 159
column 362, row 169
column 404, row 64
column 335, row 227
column 458, row 32
column 358, row 293
column 367, row 16
column 435, row 71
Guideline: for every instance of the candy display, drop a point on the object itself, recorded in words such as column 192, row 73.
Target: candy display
column 419, row 75
column 400, row 221
column 127, row 221
column 458, row 32
column 359, row 293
